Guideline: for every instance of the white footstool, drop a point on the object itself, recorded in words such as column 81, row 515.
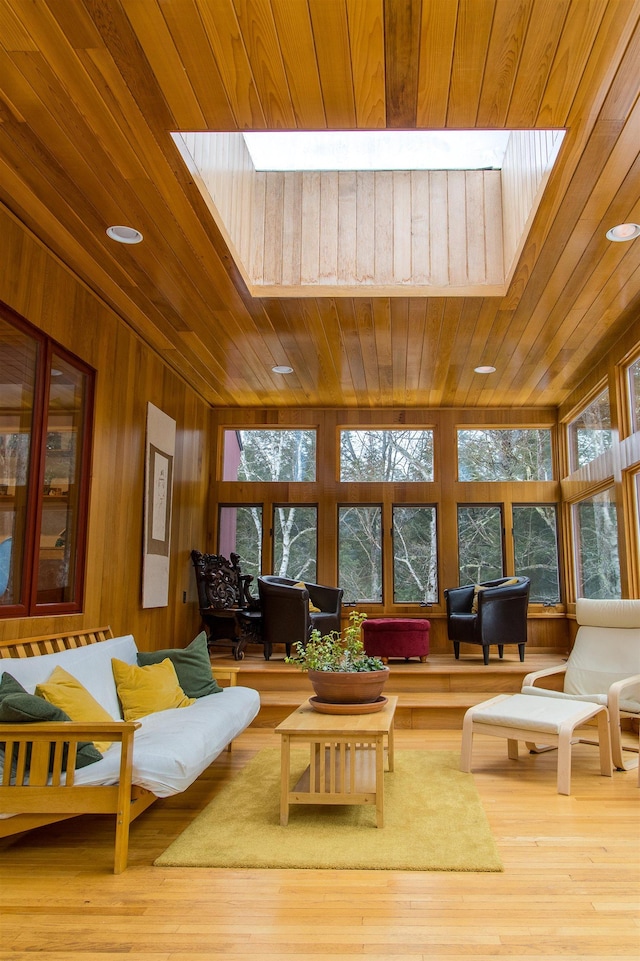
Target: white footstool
column 524, row 716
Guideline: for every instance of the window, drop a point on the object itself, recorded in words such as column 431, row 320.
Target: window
column 269, row 455
column 386, row 455
column 634, row 394
column 360, row 553
column 241, row 534
column 535, row 542
column 295, row 542
column 46, row 406
column 590, row 433
column 415, row 555
column 480, row 543
column 596, row 546
column 501, row 454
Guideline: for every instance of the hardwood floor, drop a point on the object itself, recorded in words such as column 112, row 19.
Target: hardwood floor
column 570, row 888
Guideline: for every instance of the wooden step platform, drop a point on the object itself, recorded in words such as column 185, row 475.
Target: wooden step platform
column 434, row 695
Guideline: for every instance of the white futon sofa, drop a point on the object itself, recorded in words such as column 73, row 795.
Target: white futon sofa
column 157, row 756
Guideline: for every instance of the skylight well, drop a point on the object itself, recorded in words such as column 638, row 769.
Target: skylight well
column 373, row 213
column 378, row 149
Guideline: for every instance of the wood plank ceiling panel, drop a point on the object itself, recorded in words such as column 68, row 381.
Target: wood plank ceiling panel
column 90, row 91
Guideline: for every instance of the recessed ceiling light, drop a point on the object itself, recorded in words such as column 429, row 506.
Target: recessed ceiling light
column 282, row 369
column 624, row 232
column 124, row 235
column 485, row 370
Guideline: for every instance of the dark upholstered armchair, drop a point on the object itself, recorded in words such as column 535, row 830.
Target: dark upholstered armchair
column 286, row 618
column 500, row 618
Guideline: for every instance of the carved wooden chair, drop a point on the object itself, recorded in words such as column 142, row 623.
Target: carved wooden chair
column 231, row 615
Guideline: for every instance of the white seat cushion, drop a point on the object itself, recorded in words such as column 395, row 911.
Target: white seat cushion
column 532, row 713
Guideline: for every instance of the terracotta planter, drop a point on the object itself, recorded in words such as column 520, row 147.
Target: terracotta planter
column 359, row 687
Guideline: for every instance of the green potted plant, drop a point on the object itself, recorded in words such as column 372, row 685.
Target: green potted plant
column 340, row 670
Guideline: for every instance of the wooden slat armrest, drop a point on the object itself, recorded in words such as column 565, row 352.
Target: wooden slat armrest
column 530, row 679
column 63, row 730
column 227, row 672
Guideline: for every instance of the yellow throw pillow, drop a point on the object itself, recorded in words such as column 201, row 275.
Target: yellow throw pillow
column 474, row 604
column 145, row 690
column 312, row 608
column 68, row 694
column 478, row 588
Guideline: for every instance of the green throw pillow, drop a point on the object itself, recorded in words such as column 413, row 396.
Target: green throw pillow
column 17, row 706
column 192, row 665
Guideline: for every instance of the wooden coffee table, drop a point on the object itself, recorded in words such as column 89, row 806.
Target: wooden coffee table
column 346, row 757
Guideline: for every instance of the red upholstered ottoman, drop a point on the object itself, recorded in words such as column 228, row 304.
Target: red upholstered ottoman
column 396, row 637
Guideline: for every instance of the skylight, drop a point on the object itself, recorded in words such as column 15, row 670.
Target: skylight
column 378, row 149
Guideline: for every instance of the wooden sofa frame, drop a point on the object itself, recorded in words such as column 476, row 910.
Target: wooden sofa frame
column 50, row 797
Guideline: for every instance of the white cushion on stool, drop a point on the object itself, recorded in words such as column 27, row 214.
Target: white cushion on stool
column 531, row 713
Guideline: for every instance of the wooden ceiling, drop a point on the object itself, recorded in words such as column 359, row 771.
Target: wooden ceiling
column 90, row 91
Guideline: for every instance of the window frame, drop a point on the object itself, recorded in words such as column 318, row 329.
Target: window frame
column 47, row 347
column 571, row 447
column 503, row 543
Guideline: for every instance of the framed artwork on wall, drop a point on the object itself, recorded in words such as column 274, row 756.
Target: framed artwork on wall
column 158, row 496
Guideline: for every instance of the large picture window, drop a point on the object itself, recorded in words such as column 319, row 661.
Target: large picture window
column 535, row 544
column 240, row 532
column 504, row 454
column 269, row 454
column 397, row 455
column 295, row 542
column 480, row 543
column 596, row 546
column 360, row 553
column 415, row 555
column 46, row 405
column 634, row 394
column 590, row 433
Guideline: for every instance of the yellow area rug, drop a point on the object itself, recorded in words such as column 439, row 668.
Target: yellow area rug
column 434, row 821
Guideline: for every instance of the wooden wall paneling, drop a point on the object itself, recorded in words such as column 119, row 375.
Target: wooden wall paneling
column 543, row 35
column 577, row 39
column 383, row 202
column 295, row 37
column 261, row 42
column 437, row 38
column 366, row 43
column 292, row 229
column 477, row 217
column 274, row 228
column 128, row 374
column 366, row 334
column 156, row 40
column 329, row 220
column 347, row 225
column 473, row 29
column 365, row 228
column 200, row 68
column 506, row 44
column 310, row 246
column 402, row 224
column 420, row 227
column 401, row 37
column 223, row 32
column 439, row 220
column 415, row 348
column 331, row 37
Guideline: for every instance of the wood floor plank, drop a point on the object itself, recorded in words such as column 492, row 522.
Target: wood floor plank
column 569, row 890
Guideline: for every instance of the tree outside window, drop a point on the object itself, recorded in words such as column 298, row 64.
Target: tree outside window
column 596, row 546
column 360, row 553
column 295, row 542
column 480, row 543
column 590, row 433
column 269, row 454
column 634, row 394
column 396, row 455
column 415, row 555
column 535, row 543
column 240, row 532
column 504, row 454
